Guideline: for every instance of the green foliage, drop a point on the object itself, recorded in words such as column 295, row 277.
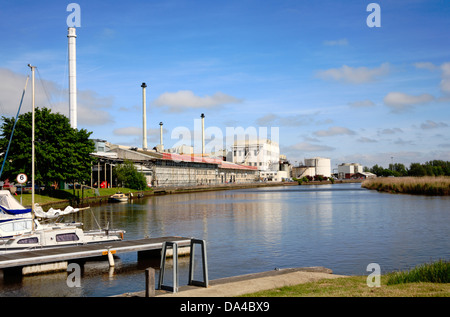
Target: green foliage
column 302, row 180
column 61, row 152
column 129, row 176
column 431, row 168
column 437, row 272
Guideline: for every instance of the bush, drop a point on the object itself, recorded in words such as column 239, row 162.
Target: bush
column 129, row 176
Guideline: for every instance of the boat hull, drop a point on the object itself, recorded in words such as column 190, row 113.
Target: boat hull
column 56, row 238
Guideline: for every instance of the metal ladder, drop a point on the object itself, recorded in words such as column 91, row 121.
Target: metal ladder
column 191, row 281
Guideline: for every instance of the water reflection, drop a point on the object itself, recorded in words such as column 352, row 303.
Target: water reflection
column 340, row 226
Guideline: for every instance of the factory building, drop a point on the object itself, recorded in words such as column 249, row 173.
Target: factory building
column 168, row 169
column 262, row 154
column 348, row 170
column 313, row 167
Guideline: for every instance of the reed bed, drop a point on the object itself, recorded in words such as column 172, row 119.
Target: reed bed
column 427, row 185
column 437, row 272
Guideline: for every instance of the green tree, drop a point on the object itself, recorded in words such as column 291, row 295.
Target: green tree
column 399, row 169
column 61, row 152
column 416, row 169
column 377, row 170
column 128, row 175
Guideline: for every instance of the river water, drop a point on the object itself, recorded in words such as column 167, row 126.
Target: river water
column 342, row 227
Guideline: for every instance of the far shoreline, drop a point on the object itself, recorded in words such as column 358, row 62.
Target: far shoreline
column 160, row 191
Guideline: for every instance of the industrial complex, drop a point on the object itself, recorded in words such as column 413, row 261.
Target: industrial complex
column 246, row 160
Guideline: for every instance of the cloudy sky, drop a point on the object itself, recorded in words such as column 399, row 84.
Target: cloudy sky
column 333, row 86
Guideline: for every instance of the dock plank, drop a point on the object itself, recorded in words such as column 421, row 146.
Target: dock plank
column 39, row 256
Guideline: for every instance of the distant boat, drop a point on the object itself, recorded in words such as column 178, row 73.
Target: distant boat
column 118, row 197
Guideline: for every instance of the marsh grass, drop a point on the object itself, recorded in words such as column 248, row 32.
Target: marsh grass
column 427, row 185
column 437, row 272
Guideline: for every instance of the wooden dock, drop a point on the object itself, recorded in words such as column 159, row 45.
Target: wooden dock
column 72, row 253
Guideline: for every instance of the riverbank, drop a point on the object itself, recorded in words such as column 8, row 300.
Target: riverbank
column 426, row 280
column 427, row 185
column 89, row 197
column 308, row 282
column 248, row 283
column 60, row 199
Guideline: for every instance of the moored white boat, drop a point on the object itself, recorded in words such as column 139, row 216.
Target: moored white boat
column 60, row 235
column 118, row 197
column 19, row 231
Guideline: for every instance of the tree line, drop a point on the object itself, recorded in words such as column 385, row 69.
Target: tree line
column 431, row 168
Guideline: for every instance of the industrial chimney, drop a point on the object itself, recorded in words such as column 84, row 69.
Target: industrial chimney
column 144, row 118
column 72, row 77
column 161, row 136
column 203, row 133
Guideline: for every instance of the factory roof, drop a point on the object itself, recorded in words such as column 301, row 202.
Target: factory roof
column 206, row 160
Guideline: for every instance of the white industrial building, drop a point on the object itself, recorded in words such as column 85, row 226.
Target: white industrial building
column 313, row 167
column 264, row 154
column 261, row 153
column 347, row 170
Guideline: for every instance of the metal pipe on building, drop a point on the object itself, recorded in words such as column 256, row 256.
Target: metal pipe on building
column 144, row 118
column 203, row 133
column 72, row 77
column 161, row 136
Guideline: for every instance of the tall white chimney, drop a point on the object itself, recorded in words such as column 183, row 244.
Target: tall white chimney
column 161, row 136
column 144, row 118
column 72, row 77
column 203, row 134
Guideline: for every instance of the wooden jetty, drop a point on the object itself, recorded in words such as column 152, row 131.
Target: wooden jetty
column 53, row 256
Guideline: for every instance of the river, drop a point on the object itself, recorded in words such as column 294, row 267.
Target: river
column 342, row 227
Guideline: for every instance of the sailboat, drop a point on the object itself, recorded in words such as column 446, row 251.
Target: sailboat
column 20, row 230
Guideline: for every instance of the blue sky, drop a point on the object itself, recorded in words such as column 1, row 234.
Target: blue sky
column 333, row 86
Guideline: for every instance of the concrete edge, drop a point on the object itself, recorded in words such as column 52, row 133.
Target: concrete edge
column 248, row 283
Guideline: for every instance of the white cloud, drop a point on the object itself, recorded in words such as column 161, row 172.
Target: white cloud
column 332, row 131
column 426, row 65
column 354, row 75
column 445, row 82
column 362, row 104
column 90, row 106
column 288, row 121
column 391, row 131
column 433, row 125
column 366, row 140
column 184, row 99
column 305, row 148
column 152, row 134
column 445, row 73
column 400, row 102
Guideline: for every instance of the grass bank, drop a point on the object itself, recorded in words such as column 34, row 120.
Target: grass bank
column 62, row 198
column 427, row 185
column 428, row 280
column 69, row 196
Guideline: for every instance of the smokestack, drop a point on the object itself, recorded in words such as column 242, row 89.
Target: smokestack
column 161, row 136
column 72, row 77
column 203, row 134
column 144, row 118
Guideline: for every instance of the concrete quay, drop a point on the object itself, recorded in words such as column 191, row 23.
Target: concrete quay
column 249, row 283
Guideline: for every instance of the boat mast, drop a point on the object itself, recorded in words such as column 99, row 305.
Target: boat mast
column 32, row 144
